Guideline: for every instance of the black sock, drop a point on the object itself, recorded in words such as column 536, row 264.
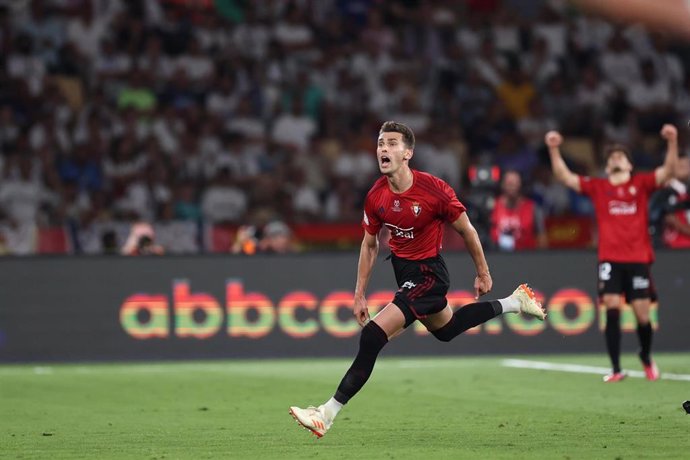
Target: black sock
column 467, row 317
column 613, row 337
column 644, row 333
column 371, row 341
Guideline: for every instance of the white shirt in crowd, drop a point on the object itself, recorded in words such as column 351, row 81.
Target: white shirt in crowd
column 21, row 200
column 294, row 130
column 644, row 97
column 305, row 199
column 221, row 203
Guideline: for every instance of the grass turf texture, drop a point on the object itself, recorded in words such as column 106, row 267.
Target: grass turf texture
column 411, row 408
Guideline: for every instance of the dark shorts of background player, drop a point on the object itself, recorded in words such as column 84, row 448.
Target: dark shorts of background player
column 630, row 279
column 422, row 286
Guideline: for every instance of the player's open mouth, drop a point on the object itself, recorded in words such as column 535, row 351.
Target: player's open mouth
column 385, row 161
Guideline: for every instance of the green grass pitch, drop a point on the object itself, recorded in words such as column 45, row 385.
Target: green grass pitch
column 413, row 408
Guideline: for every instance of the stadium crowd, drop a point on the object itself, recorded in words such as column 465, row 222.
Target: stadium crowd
column 189, row 114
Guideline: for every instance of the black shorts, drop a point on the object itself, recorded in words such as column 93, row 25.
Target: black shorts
column 632, row 280
column 422, row 287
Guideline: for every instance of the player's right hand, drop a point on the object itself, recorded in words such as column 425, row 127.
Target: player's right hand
column 361, row 311
column 482, row 284
column 553, row 139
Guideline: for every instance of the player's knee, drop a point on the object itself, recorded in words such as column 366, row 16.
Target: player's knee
column 443, row 334
column 372, row 336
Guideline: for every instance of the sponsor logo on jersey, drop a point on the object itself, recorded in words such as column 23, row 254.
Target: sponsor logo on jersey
column 401, row 232
column 408, row 285
column 416, row 209
column 396, row 206
column 622, row 208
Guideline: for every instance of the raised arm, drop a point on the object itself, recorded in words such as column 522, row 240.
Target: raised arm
column 483, row 281
column 367, row 257
column 665, row 171
column 563, row 174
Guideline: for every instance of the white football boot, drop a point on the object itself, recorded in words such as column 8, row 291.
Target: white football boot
column 312, row 418
column 528, row 302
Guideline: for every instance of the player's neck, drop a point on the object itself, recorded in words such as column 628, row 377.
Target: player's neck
column 619, row 177
column 401, row 180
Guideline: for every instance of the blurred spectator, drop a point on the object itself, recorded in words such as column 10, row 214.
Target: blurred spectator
column 306, row 204
column 142, row 241
column 651, row 98
column 186, row 206
column 275, row 237
column 293, row 128
column 516, row 92
column 669, row 209
column 23, row 195
column 619, row 64
column 223, row 201
column 517, row 223
column 86, row 30
column 513, row 154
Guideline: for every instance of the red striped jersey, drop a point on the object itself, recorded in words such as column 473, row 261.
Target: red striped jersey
column 415, row 217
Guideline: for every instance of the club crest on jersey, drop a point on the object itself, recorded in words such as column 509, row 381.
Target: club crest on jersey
column 632, row 190
column 396, row 206
column 416, row 209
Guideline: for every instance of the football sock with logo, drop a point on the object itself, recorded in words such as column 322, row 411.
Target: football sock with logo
column 613, row 337
column 644, row 333
column 371, row 342
column 467, row 317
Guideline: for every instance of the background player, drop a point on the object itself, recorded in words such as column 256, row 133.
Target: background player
column 625, row 250
column 414, row 206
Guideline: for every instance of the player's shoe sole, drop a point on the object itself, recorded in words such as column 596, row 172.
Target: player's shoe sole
column 311, row 420
column 528, row 302
column 615, row 377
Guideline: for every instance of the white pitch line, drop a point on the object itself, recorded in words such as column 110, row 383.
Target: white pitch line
column 580, row 369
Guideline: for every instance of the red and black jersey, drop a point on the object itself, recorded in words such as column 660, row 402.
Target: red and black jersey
column 415, row 217
column 622, row 217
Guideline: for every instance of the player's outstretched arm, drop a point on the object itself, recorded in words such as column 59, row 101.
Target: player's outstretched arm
column 483, row 281
column 553, row 140
column 665, row 171
column 367, row 257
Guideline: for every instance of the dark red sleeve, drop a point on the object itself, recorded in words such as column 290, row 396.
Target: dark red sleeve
column 450, row 207
column 370, row 220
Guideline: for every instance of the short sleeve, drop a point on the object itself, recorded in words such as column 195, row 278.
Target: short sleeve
column 586, row 185
column 450, row 208
column 370, row 221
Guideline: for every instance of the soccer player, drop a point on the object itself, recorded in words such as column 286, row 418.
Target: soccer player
column 625, row 250
column 414, row 206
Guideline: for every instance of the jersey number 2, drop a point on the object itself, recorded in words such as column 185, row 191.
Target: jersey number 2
column 605, row 271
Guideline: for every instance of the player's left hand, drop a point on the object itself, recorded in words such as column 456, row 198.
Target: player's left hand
column 669, row 132
column 482, row 284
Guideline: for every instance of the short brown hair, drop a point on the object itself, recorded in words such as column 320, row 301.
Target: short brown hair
column 395, row 127
column 613, row 148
